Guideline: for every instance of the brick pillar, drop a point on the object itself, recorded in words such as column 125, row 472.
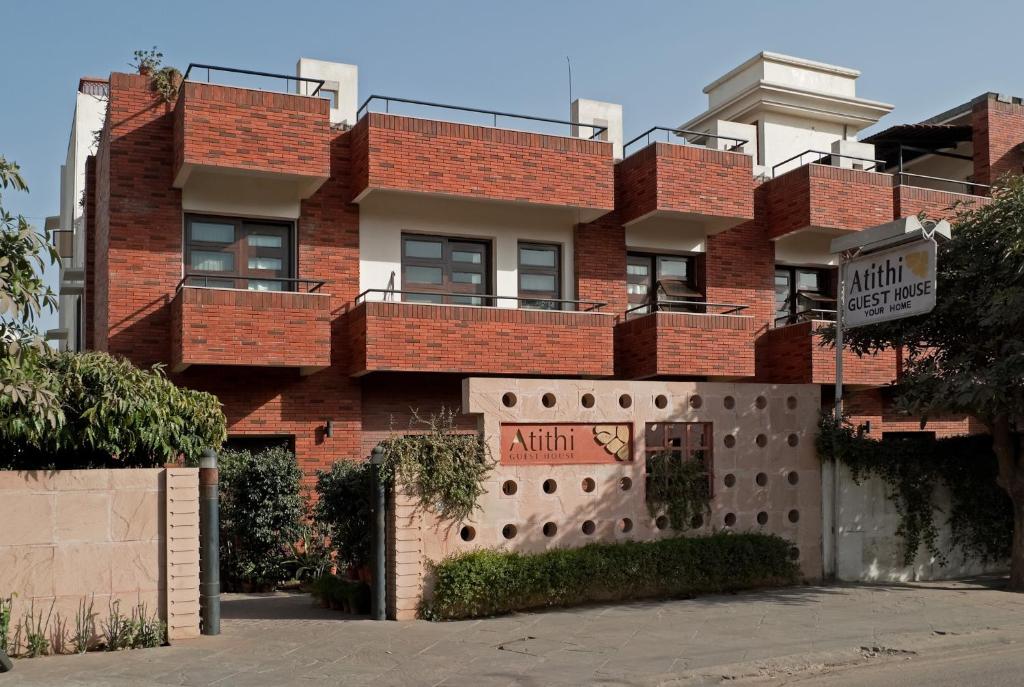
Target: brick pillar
column 599, row 257
column 998, row 135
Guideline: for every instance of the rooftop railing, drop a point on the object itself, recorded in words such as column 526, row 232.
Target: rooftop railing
column 685, row 306
column 474, row 300
column 826, row 158
column 241, row 78
column 681, row 137
column 932, row 182
column 490, row 117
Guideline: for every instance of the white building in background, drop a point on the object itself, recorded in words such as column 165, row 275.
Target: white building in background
column 67, row 230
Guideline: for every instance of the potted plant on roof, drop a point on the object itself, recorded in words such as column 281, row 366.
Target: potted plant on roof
column 147, row 61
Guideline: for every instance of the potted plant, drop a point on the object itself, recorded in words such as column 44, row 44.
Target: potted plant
column 147, row 61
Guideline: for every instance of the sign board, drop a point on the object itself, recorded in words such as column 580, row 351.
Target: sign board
column 566, row 444
column 890, row 284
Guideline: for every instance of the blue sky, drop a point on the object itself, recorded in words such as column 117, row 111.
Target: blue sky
column 653, row 57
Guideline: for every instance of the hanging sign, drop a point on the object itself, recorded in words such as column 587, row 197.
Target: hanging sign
column 566, row 444
column 890, row 284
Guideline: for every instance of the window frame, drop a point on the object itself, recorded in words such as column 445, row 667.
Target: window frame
column 826, row 276
column 685, row 450
column 653, row 262
column 555, row 271
column 449, row 291
column 242, row 276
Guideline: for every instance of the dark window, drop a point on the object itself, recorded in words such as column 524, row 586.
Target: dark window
column 436, row 269
column 661, row 278
column 223, row 252
column 540, row 275
column 255, row 444
column 803, row 293
column 680, row 441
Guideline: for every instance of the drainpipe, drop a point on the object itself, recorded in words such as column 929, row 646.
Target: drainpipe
column 209, row 544
column 378, row 605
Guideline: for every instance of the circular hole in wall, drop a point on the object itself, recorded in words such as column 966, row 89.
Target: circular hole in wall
column 697, row 522
column 508, row 399
column 792, row 440
column 762, row 518
column 661, row 401
column 550, row 529
column 625, row 400
column 696, row 401
column 625, row 525
column 467, row 533
column 509, row 531
column 548, row 400
column 730, row 519
column 793, row 478
column 588, row 484
column 588, row 527
column 549, row 486
column 794, row 553
column 761, row 479
column 794, row 515
column 730, row 480
column 625, row 484
column 791, row 402
column 509, row 487
column 762, row 440
column 587, row 400
column 661, row 522
column 761, row 402
column 729, row 402
column 729, row 441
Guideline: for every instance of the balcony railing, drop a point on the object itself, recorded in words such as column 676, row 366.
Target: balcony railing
column 940, row 183
column 476, row 300
column 681, row 137
column 808, row 315
column 213, row 281
column 685, row 306
column 492, row 116
column 826, row 159
column 303, row 85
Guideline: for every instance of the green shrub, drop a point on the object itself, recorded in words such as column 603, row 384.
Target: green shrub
column 343, row 508
column 261, row 510
column 488, row 582
column 114, row 415
column 340, row 594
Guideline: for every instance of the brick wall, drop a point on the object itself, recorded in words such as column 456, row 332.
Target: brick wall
column 422, row 155
column 684, row 345
column 235, row 327
column 260, row 131
column 876, row 406
column 998, row 132
column 794, row 355
column 911, row 200
column 599, row 261
column 685, row 179
column 392, row 402
column 433, row 338
column 826, row 197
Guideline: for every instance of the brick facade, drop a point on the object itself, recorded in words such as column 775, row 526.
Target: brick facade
column 794, row 354
column 997, row 138
column 684, row 344
column 911, row 200
column 425, row 156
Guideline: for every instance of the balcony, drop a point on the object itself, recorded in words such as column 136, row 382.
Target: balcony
column 403, row 336
column 672, row 343
column 793, row 354
column 215, row 326
column 688, row 178
column 826, row 199
column 225, row 131
column 397, row 153
column 938, row 198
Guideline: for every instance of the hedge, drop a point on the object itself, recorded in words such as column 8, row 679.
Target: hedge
column 488, row 582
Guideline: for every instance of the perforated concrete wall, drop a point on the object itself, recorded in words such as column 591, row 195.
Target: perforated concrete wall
column 766, row 474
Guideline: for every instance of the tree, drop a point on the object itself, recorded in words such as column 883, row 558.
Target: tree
column 25, row 387
column 967, row 355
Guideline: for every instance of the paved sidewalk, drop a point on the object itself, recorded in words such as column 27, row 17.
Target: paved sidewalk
column 283, row 640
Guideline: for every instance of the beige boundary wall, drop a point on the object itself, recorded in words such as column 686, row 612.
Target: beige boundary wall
column 766, row 473
column 108, row 535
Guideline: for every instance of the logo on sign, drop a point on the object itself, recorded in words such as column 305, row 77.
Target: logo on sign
column 890, row 285
column 565, row 444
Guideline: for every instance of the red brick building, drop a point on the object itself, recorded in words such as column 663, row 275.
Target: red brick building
column 324, row 271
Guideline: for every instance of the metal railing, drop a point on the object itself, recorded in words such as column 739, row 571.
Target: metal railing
column 476, row 300
column 599, row 131
column 296, row 284
column 969, row 187
column 684, row 306
column 250, row 72
column 876, row 165
column 807, row 315
column 99, row 88
column 685, row 138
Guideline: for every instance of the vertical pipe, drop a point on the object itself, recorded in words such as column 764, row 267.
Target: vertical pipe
column 378, row 607
column 209, row 544
column 840, row 311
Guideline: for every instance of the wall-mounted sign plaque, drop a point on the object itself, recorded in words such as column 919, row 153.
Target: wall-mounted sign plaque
column 566, row 444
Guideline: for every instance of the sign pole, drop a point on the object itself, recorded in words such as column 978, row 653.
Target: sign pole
column 840, row 304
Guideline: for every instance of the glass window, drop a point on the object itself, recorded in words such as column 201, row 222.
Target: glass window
column 208, row 261
column 263, row 263
column 644, row 273
column 467, row 277
column 212, row 232
column 265, row 285
column 540, row 276
column 473, row 257
column 238, row 249
column 803, row 293
column 424, row 249
column 445, row 268
column 264, row 241
column 424, row 275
